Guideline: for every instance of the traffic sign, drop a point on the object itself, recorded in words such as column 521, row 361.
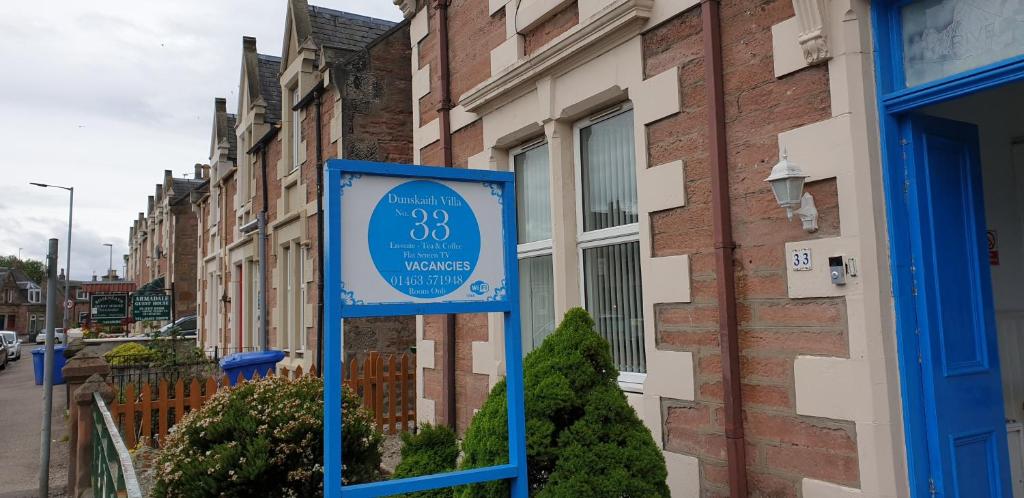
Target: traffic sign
column 69, row 304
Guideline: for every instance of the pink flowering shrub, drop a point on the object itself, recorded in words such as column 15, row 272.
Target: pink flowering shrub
column 264, row 439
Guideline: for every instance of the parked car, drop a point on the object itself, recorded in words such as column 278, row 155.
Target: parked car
column 3, row 354
column 182, row 327
column 58, row 336
column 13, row 344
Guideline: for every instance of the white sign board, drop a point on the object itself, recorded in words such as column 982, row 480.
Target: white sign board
column 415, row 241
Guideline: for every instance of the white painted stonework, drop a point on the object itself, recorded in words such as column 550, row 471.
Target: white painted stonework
column 863, row 388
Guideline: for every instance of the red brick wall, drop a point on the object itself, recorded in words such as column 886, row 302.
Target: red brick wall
column 376, row 125
column 185, row 246
column 466, row 142
column 473, row 33
column 548, row 30
column 377, row 114
column 273, row 155
column 782, row 447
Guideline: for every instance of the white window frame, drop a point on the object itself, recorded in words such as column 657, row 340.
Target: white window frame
column 300, row 311
column 628, row 381
column 286, row 310
column 538, row 247
column 296, row 135
column 253, row 311
column 80, row 294
column 35, row 296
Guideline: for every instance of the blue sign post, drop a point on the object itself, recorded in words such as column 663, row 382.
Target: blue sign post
column 416, row 240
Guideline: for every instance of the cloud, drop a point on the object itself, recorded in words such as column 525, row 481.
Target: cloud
column 104, row 96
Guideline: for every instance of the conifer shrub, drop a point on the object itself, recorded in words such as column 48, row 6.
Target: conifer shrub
column 264, row 438
column 432, row 450
column 582, row 437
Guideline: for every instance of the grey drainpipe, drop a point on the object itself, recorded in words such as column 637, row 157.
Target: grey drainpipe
column 320, row 235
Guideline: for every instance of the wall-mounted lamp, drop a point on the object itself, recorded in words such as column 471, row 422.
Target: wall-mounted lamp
column 787, row 181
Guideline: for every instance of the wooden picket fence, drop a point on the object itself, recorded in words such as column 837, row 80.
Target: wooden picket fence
column 145, row 416
column 387, row 386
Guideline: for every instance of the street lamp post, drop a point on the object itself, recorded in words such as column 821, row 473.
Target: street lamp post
column 110, row 264
column 67, row 274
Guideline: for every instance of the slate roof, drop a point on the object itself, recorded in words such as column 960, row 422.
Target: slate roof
column 344, row 30
column 270, row 86
column 226, row 130
column 183, row 186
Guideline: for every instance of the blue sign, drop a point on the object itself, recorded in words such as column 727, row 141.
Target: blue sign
column 424, row 239
column 413, row 240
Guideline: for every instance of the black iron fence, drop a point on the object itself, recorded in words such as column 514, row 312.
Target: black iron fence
column 151, row 367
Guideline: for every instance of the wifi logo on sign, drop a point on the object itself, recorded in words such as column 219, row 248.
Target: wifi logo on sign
column 479, row 287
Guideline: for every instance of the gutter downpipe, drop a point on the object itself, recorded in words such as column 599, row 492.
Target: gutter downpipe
column 725, row 247
column 319, row 232
column 262, row 253
column 261, row 226
column 444, row 115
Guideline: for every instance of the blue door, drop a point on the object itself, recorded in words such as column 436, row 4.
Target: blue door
column 959, row 358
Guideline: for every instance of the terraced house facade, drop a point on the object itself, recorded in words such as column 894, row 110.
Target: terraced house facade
column 846, row 337
column 798, row 223
column 339, row 89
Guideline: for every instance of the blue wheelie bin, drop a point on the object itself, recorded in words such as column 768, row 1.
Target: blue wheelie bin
column 38, row 363
column 246, row 364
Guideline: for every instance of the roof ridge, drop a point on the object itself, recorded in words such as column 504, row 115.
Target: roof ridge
column 350, row 15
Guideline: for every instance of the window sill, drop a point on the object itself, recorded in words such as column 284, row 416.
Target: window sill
column 632, row 382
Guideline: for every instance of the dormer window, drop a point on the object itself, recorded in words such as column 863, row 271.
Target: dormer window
column 35, row 296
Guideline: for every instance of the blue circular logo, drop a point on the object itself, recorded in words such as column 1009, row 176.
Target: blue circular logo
column 424, row 239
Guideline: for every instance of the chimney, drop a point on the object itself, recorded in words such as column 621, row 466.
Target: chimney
column 159, row 192
column 220, row 105
column 61, row 276
column 149, row 205
column 206, row 171
column 248, row 44
column 94, row 276
column 199, row 172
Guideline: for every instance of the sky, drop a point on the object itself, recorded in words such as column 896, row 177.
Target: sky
column 105, row 96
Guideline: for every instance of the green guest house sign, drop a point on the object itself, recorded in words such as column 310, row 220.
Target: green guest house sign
column 109, row 308
column 151, row 306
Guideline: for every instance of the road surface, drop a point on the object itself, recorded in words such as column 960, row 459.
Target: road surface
column 21, row 408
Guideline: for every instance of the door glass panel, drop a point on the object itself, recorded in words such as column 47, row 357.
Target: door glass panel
column 945, row 37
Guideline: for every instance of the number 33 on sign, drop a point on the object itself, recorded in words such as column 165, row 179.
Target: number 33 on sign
column 800, row 260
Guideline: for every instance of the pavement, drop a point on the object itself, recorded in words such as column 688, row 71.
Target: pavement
column 21, row 409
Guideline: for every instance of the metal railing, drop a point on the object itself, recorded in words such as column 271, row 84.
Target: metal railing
column 113, row 474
